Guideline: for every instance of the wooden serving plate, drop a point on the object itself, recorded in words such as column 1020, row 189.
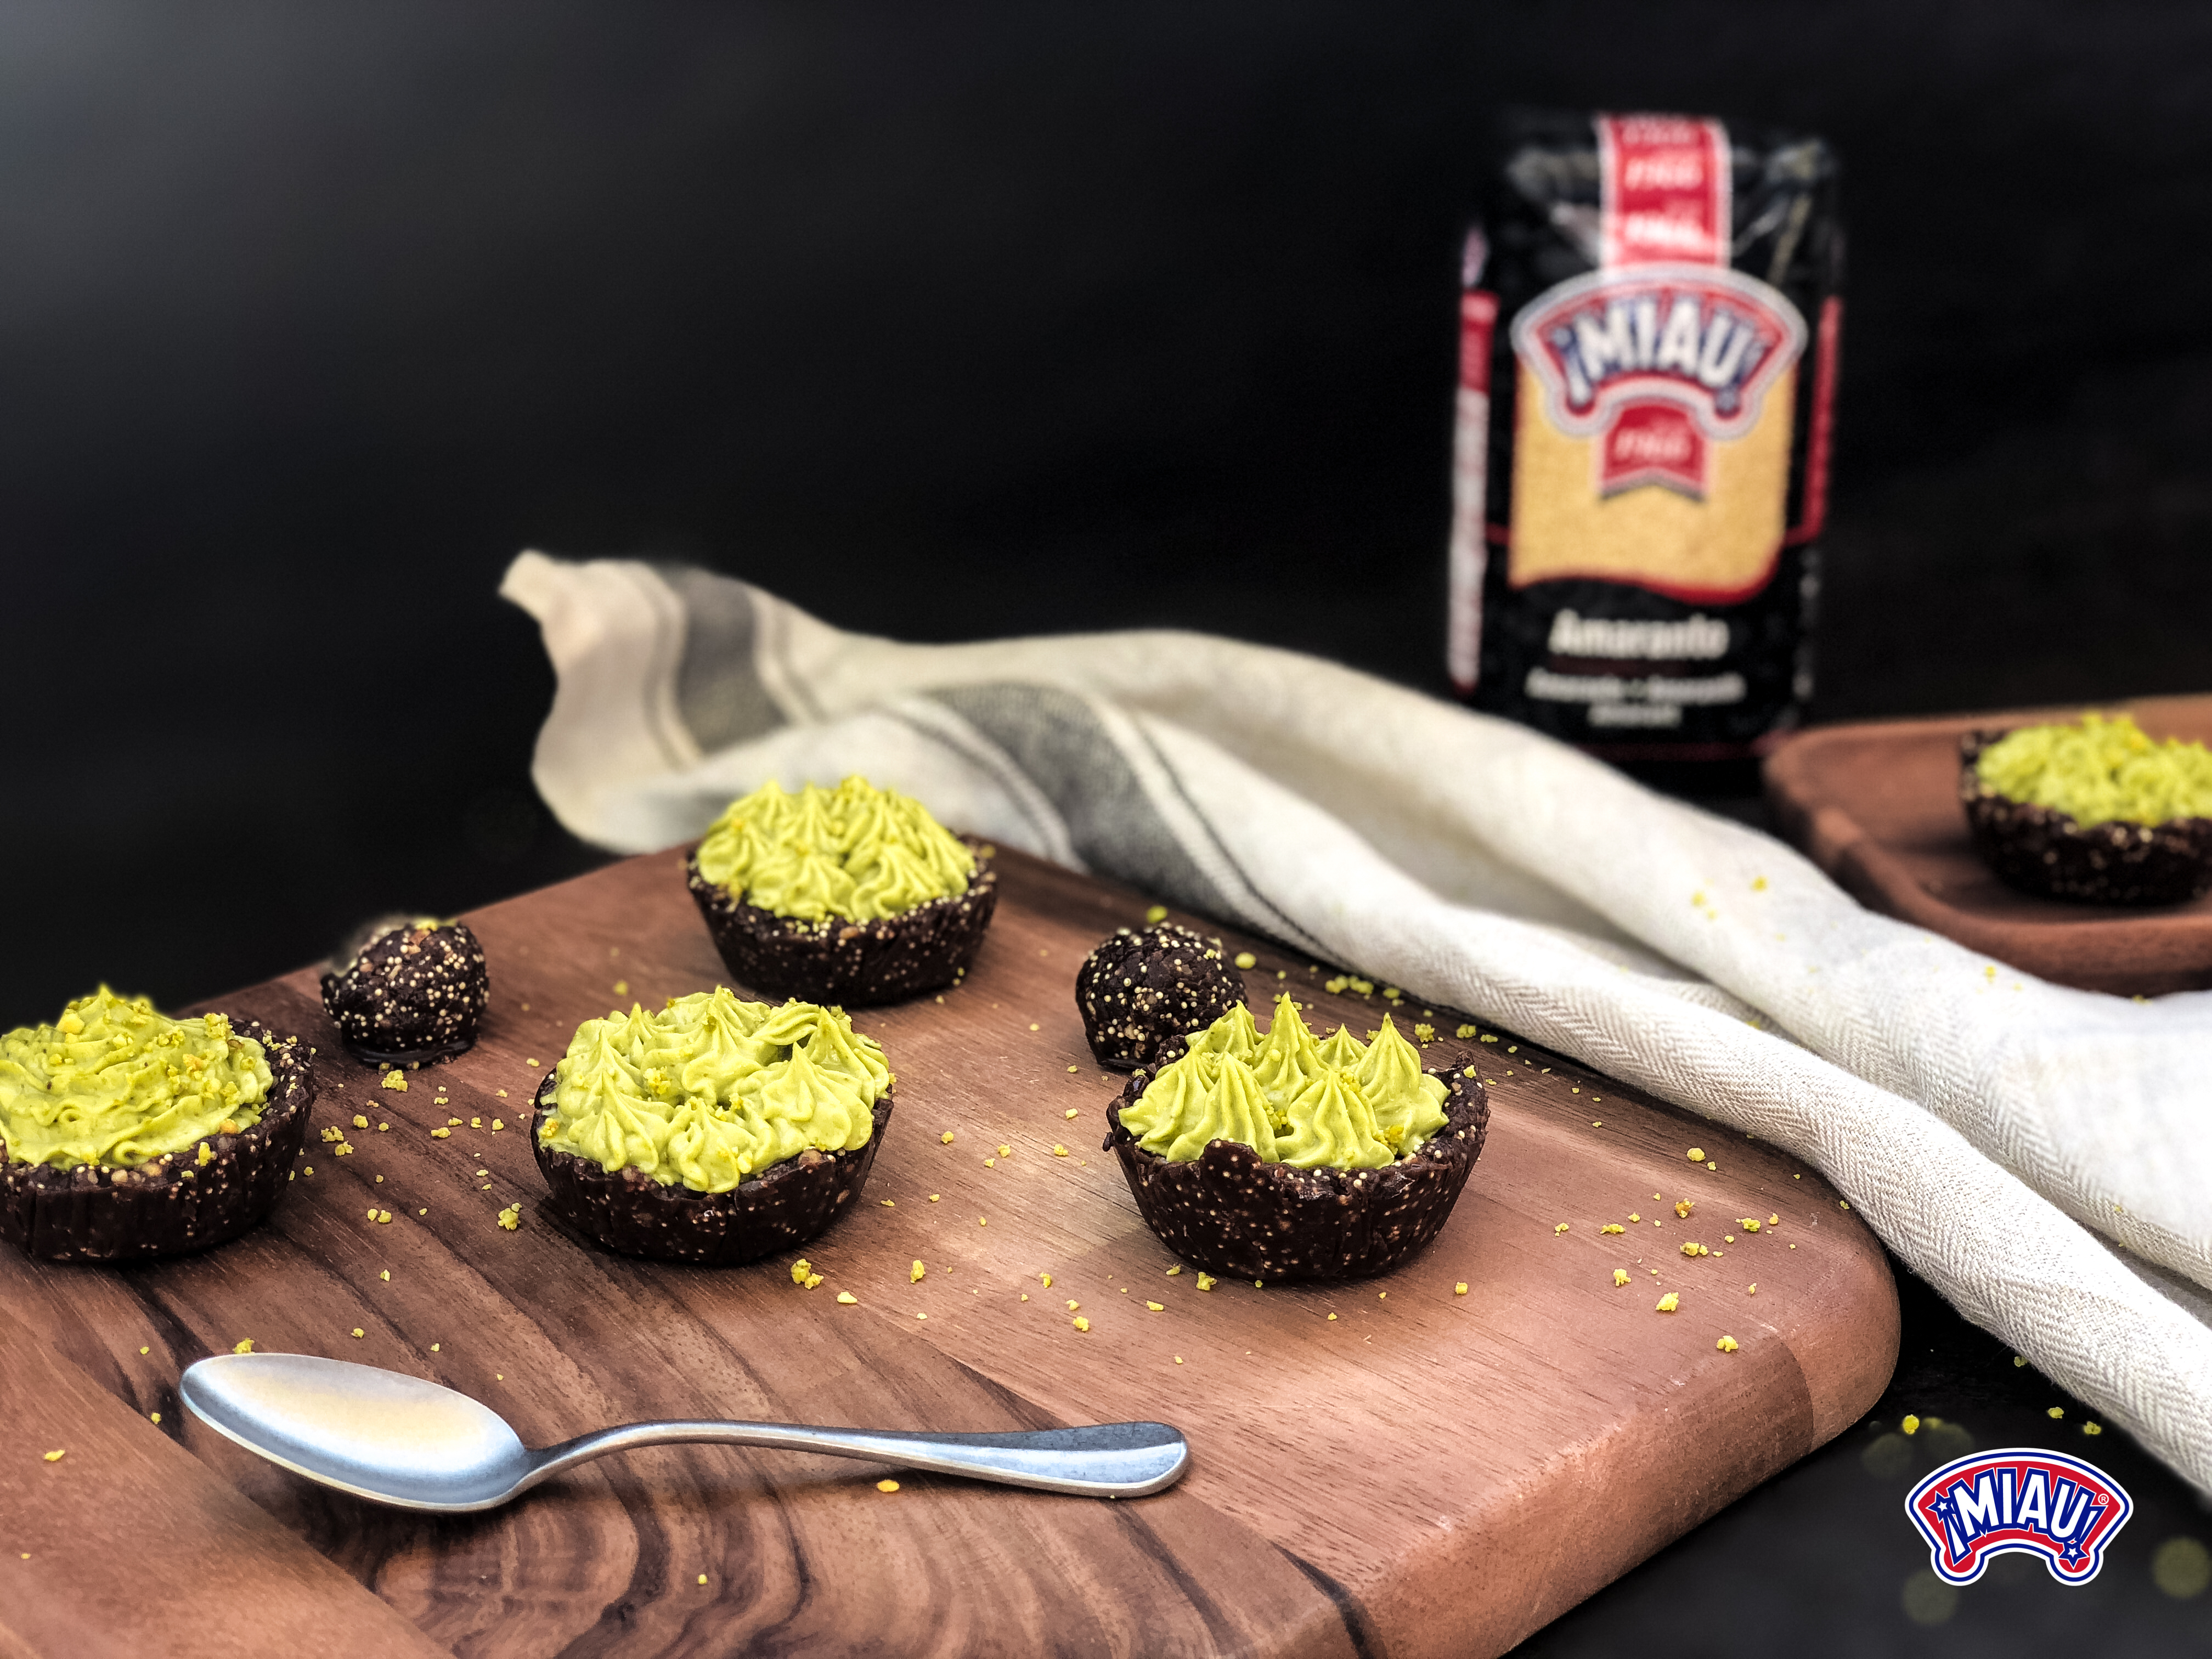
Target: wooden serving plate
column 1381, row 1467
column 1876, row 805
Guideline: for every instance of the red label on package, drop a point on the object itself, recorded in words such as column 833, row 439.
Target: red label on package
column 1652, row 443
column 1664, row 184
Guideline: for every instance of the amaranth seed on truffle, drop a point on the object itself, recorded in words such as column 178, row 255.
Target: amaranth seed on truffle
column 1138, row 989
column 412, row 993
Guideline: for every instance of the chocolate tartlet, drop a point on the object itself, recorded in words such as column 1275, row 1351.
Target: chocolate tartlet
column 413, row 992
column 853, row 896
column 779, row 1209
column 1233, row 1211
column 2052, row 854
column 206, row 1194
column 777, row 1206
column 1141, row 989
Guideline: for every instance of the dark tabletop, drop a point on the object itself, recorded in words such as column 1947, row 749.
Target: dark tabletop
column 982, row 319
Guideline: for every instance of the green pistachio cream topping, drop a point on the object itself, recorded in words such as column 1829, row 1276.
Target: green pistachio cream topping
column 855, row 852
column 1342, row 1105
column 2101, row 771
column 714, row 1088
column 114, row 1084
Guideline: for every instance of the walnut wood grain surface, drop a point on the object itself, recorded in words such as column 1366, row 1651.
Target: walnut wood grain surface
column 1426, row 1473
column 1876, row 805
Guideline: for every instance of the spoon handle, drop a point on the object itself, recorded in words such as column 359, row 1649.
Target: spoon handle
column 1104, row 1460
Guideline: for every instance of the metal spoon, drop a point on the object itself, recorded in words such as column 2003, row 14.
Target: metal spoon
column 397, row 1439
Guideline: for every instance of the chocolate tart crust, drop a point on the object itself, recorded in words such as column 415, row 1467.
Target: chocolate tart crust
column 783, row 1206
column 173, row 1204
column 2050, row 854
column 1229, row 1213
column 848, row 964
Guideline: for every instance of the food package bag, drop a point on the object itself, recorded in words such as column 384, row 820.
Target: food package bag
column 1649, row 324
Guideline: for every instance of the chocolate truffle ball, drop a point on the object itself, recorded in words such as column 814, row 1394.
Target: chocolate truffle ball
column 1139, row 989
column 412, row 993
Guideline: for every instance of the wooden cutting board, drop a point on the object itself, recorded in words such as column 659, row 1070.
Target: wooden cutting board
column 1876, row 805
column 1425, row 1472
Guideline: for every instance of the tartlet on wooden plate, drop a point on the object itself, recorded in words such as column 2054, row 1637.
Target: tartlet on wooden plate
column 1876, row 805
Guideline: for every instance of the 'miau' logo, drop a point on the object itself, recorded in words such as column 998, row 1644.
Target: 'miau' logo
column 2039, row 1503
column 1657, row 361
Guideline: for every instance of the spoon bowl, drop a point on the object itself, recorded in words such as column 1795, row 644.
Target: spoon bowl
column 419, row 1445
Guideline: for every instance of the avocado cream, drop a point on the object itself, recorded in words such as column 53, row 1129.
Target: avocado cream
column 2101, row 771
column 112, row 1083
column 855, row 852
column 1342, row 1105
column 712, row 1088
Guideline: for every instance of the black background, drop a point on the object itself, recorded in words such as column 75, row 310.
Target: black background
column 961, row 320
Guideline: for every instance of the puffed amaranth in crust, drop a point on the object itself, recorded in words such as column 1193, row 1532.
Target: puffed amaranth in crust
column 2050, row 854
column 412, row 993
column 1231, row 1213
column 1142, row 988
column 781, row 1207
column 174, row 1204
column 849, row 964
